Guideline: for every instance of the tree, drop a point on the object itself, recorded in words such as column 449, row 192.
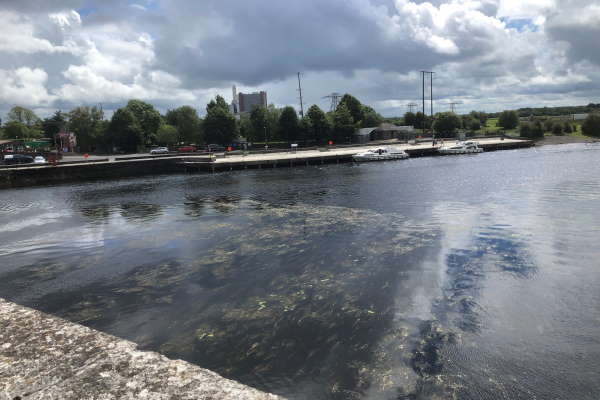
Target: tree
column 23, row 115
column 52, row 125
column 508, row 119
column 15, row 130
column 167, row 135
column 320, row 126
column 304, row 129
column 591, row 125
column 557, row 129
column 273, row 114
column 534, row 130
column 480, row 115
column 83, row 122
column 525, row 129
column 288, row 124
column 568, row 128
column 420, row 120
column 410, row 119
column 474, row 125
column 125, row 131
column 446, row 124
column 258, row 123
column 370, row 117
column 219, row 125
column 343, row 124
column 187, row 123
column 245, row 128
column 148, row 119
column 354, row 107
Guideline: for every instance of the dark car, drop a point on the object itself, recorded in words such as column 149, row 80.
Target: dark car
column 187, row 149
column 212, row 148
column 10, row 159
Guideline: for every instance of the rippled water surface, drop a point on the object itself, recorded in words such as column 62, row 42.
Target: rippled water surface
column 476, row 277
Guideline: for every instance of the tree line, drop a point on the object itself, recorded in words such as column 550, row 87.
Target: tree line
column 139, row 125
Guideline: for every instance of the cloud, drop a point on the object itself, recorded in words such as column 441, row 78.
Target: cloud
column 24, row 86
column 487, row 53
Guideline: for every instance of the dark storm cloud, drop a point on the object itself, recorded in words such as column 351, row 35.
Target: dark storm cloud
column 253, row 43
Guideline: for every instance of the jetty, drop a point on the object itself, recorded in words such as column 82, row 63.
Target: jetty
column 327, row 155
column 129, row 166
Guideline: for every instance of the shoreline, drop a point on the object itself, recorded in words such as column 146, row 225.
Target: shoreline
column 137, row 166
column 566, row 139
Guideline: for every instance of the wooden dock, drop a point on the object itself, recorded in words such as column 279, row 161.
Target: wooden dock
column 326, row 155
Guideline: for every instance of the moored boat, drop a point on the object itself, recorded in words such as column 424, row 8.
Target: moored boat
column 467, row 147
column 381, row 154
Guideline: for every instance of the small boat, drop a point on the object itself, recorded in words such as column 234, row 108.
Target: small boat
column 381, row 154
column 468, row 147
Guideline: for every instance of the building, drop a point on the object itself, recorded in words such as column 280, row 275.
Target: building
column 384, row 131
column 247, row 101
column 234, row 107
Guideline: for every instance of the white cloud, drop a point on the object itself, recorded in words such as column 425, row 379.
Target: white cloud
column 530, row 9
column 25, row 86
column 18, row 35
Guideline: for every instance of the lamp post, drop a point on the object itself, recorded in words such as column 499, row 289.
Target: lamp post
column 266, row 145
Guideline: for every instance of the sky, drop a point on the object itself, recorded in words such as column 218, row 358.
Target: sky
column 487, row 55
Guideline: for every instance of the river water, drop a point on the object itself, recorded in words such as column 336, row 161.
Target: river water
column 476, row 277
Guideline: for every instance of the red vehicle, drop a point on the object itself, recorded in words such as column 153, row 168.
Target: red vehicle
column 187, row 149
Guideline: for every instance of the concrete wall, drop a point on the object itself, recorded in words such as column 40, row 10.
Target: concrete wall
column 44, row 357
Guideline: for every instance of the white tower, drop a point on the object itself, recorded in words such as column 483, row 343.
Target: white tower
column 234, row 100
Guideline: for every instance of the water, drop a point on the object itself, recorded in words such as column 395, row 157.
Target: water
column 470, row 276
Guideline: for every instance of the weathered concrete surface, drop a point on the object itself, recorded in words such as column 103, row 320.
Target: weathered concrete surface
column 44, row 357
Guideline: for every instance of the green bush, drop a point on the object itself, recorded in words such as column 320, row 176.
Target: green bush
column 591, row 125
column 557, row 129
column 568, row 128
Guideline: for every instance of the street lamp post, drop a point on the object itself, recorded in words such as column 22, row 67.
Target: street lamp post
column 266, row 145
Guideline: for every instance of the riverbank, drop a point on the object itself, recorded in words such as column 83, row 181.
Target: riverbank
column 44, row 357
column 565, row 139
column 31, row 175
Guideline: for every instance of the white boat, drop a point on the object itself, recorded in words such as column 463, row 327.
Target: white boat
column 381, row 154
column 468, row 147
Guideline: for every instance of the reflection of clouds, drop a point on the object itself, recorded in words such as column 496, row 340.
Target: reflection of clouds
column 37, row 220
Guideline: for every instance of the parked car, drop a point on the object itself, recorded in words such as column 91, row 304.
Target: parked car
column 159, row 150
column 187, row 149
column 39, row 160
column 212, row 148
column 10, row 159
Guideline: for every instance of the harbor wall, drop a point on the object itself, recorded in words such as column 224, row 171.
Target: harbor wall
column 138, row 166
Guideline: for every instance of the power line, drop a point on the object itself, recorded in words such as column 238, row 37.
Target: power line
column 411, row 107
column 453, row 105
column 335, row 99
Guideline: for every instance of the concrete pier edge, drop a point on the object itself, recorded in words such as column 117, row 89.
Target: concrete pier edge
column 156, row 165
column 46, row 357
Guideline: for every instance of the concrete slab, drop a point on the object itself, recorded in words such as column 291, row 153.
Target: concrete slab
column 45, row 357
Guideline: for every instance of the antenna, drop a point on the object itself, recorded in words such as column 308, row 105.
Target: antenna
column 335, row 99
column 300, row 90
